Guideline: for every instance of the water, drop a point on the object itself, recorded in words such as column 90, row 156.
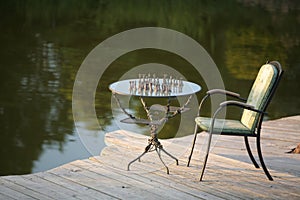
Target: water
column 44, row 43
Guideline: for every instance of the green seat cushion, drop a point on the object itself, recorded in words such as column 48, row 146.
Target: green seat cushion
column 224, row 126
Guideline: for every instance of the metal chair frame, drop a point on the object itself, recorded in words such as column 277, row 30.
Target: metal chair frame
column 255, row 133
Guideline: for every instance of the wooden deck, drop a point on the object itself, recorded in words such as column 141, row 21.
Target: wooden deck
column 229, row 174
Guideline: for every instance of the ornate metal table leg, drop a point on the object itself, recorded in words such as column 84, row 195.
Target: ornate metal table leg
column 158, row 145
column 139, row 157
column 154, row 143
column 170, row 155
column 158, row 153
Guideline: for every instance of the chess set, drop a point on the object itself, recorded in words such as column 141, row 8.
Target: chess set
column 153, row 85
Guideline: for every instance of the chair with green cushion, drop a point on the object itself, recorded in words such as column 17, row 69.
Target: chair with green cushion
column 253, row 112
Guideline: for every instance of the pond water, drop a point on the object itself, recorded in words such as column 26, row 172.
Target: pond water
column 45, row 42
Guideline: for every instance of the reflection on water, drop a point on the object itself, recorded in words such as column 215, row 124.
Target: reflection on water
column 44, row 43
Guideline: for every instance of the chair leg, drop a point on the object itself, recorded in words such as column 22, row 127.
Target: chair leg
column 193, row 145
column 262, row 160
column 250, row 153
column 206, row 156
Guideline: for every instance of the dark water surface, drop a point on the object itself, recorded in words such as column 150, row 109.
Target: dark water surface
column 44, row 43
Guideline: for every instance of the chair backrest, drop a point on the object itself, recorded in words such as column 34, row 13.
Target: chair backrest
column 261, row 93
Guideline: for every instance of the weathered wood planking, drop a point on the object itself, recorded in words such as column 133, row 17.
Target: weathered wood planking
column 256, row 174
column 229, row 175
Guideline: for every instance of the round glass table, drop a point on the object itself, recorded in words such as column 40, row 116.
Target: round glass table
column 157, row 89
column 157, row 115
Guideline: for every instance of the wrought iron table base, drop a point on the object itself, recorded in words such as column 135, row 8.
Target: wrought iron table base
column 154, row 145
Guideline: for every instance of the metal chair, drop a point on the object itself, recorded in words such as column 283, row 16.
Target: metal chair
column 253, row 112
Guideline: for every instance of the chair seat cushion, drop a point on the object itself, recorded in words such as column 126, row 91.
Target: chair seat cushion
column 224, row 126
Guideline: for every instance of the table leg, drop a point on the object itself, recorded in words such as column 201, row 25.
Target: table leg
column 154, row 144
column 147, row 149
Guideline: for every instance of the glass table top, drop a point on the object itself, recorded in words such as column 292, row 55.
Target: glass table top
column 154, row 88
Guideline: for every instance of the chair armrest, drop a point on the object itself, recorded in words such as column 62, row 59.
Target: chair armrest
column 225, row 92
column 240, row 104
column 218, row 91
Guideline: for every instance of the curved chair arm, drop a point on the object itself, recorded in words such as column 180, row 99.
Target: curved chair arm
column 218, row 91
column 242, row 105
column 225, row 92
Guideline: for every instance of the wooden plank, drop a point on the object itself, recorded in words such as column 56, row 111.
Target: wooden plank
column 275, row 158
column 280, row 137
column 246, row 155
column 268, row 142
column 259, row 180
column 179, row 182
column 132, row 179
column 46, row 188
column 254, row 188
column 192, row 179
column 155, row 184
column 145, row 190
column 78, row 177
column 6, row 191
column 238, row 163
column 5, row 197
column 22, row 189
column 82, row 192
column 101, row 182
column 244, row 176
column 162, row 182
column 121, row 179
column 274, row 152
